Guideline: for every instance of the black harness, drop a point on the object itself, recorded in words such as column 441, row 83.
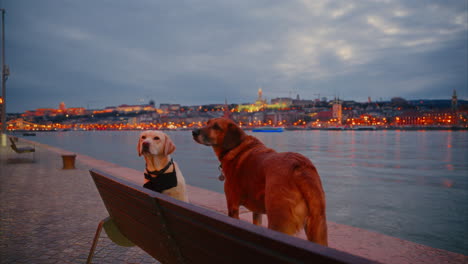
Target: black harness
column 159, row 180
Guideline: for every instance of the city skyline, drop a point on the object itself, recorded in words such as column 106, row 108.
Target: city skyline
column 63, row 105
column 97, row 54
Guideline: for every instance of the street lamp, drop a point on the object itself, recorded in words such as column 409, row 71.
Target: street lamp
column 5, row 73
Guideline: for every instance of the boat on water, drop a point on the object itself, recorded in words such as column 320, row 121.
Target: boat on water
column 336, row 128
column 364, row 128
column 268, row 129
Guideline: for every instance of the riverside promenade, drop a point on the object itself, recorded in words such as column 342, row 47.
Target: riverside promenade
column 50, row 215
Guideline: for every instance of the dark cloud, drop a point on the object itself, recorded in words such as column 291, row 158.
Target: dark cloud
column 101, row 53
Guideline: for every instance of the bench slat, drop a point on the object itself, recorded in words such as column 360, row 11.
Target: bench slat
column 23, row 149
column 142, row 212
column 206, row 234
column 199, row 244
column 151, row 240
column 20, row 150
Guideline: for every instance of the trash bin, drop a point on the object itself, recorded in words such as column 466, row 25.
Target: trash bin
column 68, row 161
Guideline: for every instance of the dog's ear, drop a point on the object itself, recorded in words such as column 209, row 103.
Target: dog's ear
column 169, row 146
column 233, row 136
column 139, row 146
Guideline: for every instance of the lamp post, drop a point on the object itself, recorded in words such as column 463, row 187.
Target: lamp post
column 5, row 73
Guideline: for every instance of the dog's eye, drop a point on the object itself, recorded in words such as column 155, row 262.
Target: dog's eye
column 143, row 137
column 216, row 126
column 156, row 138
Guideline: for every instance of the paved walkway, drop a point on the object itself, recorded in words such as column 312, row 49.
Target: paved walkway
column 50, row 215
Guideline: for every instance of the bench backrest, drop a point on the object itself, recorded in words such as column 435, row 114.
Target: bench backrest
column 177, row 232
column 13, row 144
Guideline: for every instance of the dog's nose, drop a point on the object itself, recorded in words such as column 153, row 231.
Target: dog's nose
column 145, row 146
column 196, row 132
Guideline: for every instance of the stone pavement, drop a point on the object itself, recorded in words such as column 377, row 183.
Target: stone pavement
column 50, row 215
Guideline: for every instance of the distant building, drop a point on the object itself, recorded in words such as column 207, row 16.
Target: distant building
column 324, row 115
column 227, row 113
column 42, row 112
column 454, row 100
column 62, row 107
column 164, row 107
column 286, row 101
column 76, row 111
column 430, row 118
column 169, row 108
column 106, row 110
column 134, row 108
column 337, row 111
column 133, row 121
column 174, row 107
column 303, row 103
column 260, row 101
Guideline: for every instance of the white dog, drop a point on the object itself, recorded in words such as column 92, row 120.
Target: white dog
column 162, row 174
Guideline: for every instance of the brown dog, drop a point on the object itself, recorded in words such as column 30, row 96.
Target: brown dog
column 285, row 186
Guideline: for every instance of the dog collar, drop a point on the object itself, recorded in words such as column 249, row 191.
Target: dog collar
column 232, row 153
column 162, row 171
column 221, row 176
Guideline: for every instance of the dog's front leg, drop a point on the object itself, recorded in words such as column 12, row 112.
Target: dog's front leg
column 257, row 218
column 233, row 208
column 232, row 199
column 233, row 212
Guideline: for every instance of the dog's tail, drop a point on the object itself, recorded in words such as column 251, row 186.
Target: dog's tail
column 310, row 185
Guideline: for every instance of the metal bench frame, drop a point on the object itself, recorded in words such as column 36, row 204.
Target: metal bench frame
column 21, row 150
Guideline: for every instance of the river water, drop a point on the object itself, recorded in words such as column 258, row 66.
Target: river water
column 407, row 184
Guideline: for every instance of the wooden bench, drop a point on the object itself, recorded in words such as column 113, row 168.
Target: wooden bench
column 21, row 150
column 172, row 231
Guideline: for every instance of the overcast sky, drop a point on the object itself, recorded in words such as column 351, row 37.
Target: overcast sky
column 109, row 52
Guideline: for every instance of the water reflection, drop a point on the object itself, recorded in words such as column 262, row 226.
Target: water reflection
column 395, row 182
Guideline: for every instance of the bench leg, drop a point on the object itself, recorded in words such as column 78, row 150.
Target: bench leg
column 95, row 241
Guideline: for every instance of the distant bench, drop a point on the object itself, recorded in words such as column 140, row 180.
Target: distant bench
column 20, row 150
column 172, row 231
